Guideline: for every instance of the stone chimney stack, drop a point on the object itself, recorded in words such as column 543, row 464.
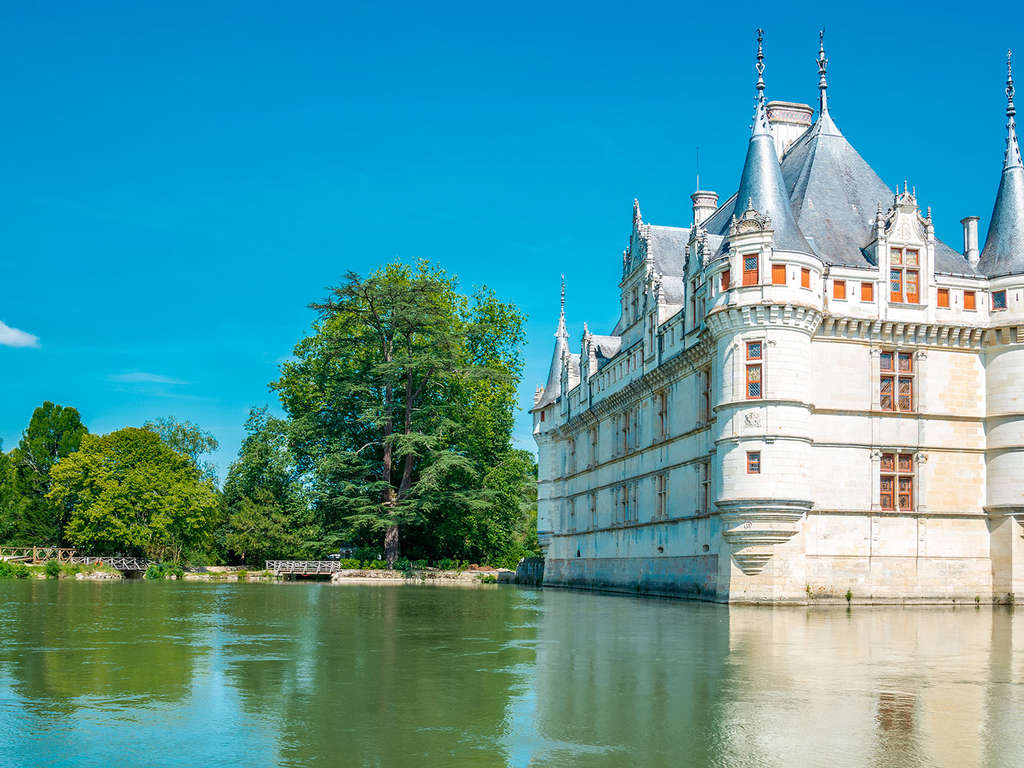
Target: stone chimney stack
column 704, row 204
column 788, row 121
column 971, row 252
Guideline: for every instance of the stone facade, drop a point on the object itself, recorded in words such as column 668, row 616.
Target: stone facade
column 807, row 396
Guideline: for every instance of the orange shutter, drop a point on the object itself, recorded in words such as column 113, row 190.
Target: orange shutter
column 912, row 286
column 867, row 291
column 943, row 297
column 778, row 274
column 725, row 280
column 805, row 278
column 838, row 289
column 969, row 300
column 896, row 285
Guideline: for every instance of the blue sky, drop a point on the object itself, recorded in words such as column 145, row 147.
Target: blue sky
column 181, row 181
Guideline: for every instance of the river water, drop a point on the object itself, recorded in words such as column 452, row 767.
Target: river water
column 300, row 674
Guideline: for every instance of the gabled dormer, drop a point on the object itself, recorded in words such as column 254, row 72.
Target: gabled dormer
column 903, row 249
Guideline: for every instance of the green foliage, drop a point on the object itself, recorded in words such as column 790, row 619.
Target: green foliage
column 350, row 563
column 489, row 578
column 13, row 570
column 129, row 492
column 162, row 570
column 268, row 515
column 189, row 440
column 402, row 564
column 401, row 404
column 243, row 575
column 374, row 565
column 29, row 517
column 52, row 569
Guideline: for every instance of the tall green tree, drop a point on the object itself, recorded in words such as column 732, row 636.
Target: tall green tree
column 129, row 492
column 54, row 432
column 268, row 513
column 188, row 439
column 10, row 499
column 399, row 400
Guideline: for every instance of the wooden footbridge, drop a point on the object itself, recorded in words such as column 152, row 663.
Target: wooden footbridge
column 303, row 567
column 41, row 555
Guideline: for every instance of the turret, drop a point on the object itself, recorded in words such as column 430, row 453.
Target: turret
column 1003, row 253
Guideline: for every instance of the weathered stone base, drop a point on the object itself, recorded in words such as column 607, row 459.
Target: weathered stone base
column 691, row 577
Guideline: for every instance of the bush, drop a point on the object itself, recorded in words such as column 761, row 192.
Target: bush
column 403, row 564
column 9, row 570
column 52, row 569
column 490, row 578
column 350, row 563
column 375, row 565
column 243, row 575
column 420, row 564
column 447, row 564
column 158, row 571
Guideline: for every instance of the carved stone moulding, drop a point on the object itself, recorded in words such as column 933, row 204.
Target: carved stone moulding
column 754, row 526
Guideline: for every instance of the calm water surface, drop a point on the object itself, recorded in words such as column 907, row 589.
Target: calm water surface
column 173, row 674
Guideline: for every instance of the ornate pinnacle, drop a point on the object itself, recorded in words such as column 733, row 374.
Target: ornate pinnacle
column 1010, row 109
column 563, row 295
column 822, row 67
column 1012, row 158
column 760, row 64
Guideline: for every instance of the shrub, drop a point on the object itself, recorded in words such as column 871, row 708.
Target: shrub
column 403, row 564
column 157, row 571
column 419, row 564
column 374, row 565
column 490, row 578
column 349, row 563
column 52, row 569
column 9, row 570
column 447, row 564
column 243, row 575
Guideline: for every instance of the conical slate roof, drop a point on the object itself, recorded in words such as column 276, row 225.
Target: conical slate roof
column 761, row 184
column 553, row 389
column 1003, row 253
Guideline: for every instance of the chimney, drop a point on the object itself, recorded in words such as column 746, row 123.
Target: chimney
column 704, row 204
column 971, row 239
column 788, row 122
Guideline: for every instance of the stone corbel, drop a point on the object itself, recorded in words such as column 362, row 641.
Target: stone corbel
column 754, row 526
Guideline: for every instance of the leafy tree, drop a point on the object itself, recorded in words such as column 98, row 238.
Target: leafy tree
column 188, row 439
column 54, row 432
column 129, row 492
column 10, row 499
column 268, row 515
column 399, row 400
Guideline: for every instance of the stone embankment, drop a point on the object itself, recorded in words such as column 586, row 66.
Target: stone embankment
column 425, row 576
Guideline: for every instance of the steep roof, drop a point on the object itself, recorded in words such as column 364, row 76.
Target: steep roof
column 1003, row 253
column 553, row 389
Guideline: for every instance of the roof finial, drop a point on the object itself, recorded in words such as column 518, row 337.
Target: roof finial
column 1012, row 158
column 760, row 111
column 822, row 66
column 563, row 295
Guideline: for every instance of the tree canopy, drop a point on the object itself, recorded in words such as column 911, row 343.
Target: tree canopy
column 128, row 492
column 187, row 439
column 400, row 403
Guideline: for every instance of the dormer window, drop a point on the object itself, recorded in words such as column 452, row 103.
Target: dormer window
column 750, row 269
column 904, row 275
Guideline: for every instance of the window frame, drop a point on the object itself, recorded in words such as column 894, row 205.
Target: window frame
column 805, row 278
column 900, row 380
column 751, row 276
column 726, row 279
column 867, row 290
column 753, row 462
column 779, row 274
column 942, row 298
column 1001, row 293
column 838, row 287
column 900, row 272
column 754, row 373
column 897, row 469
column 973, row 301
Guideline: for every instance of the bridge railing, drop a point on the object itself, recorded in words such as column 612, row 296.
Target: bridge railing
column 303, row 567
column 37, row 555
column 118, row 562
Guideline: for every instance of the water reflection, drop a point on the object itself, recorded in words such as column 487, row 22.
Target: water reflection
column 310, row 675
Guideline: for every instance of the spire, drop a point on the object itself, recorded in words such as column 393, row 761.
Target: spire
column 761, row 184
column 760, row 111
column 822, row 82
column 1012, row 149
column 1003, row 253
column 553, row 389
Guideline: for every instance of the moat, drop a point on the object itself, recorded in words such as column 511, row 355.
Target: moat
column 162, row 674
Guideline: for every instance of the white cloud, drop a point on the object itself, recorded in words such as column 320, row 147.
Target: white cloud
column 141, row 377
column 12, row 337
